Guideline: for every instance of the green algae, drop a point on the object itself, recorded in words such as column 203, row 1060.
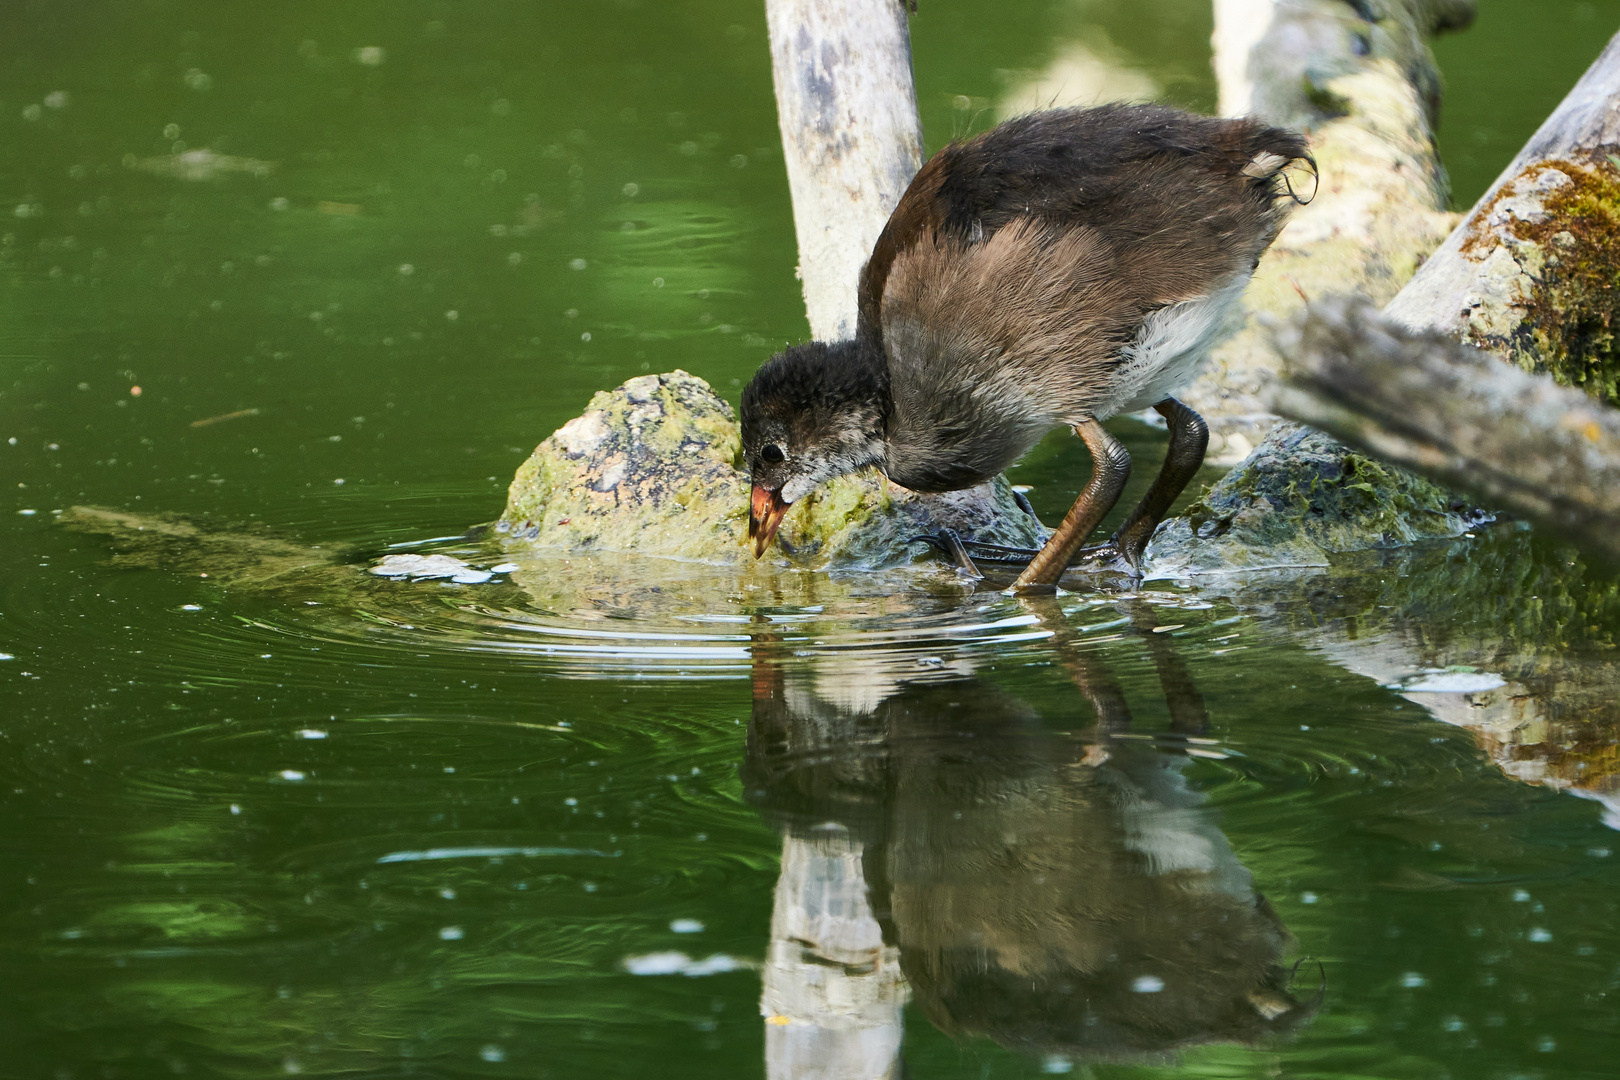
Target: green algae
column 655, row 467
column 1299, row 499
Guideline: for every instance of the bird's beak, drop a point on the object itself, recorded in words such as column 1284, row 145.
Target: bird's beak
column 764, row 518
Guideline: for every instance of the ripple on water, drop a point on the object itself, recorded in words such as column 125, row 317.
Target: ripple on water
column 394, row 827
column 614, row 618
column 618, row 620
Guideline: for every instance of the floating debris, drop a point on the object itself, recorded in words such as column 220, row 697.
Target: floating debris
column 201, row 164
column 678, row 963
column 424, row 567
column 220, row 419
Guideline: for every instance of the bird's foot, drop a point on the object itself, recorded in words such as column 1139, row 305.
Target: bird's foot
column 954, row 548
column 1109, row 559
column 995, row 554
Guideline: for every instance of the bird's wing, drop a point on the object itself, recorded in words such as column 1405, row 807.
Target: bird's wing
column 1186, row 200
column 992, row 344
column 920, row 213
column 1031, row 303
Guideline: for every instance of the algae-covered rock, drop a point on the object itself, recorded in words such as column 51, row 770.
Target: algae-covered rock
column 1299, row 498
column 655, row 467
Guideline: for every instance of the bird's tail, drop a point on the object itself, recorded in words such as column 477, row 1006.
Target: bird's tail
column 1280, row 163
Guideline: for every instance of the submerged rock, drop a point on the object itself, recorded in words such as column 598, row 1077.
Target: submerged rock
column 1300, row 498
column 654, row 467
column 251, row 557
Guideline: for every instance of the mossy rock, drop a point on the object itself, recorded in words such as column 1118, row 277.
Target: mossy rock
column 1299, row 499
column 655, row 467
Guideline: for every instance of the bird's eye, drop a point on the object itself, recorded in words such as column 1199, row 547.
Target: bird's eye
column 772, row 454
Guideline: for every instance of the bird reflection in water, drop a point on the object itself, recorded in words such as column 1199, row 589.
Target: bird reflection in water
column 1051, row 882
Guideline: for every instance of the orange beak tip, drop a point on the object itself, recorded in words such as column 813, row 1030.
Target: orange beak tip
column 765, row 512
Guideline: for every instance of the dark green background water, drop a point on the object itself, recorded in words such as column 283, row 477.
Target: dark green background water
column 441, row 256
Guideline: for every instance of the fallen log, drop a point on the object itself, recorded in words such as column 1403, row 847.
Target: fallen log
column 1358, row 78
column 851, row 138
column 1458, row 415
column 1533, row 272
column 1533, row 276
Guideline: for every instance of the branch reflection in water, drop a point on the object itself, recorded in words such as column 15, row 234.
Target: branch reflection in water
column 1052, row 884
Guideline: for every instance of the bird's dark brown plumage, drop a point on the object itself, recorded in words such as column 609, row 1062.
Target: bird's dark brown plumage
column 1127, row 171
column 1063, row 267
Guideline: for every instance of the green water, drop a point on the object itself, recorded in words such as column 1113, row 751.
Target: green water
column 311, row 822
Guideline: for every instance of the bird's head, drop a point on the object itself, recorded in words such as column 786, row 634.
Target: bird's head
column 811, row 413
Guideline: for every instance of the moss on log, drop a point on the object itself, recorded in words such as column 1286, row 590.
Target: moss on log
column 1548, row 249
column 1533, row 273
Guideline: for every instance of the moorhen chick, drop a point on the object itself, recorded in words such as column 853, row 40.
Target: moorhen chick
column 1061, row 268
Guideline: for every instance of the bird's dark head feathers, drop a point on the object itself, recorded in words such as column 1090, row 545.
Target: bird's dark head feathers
column 812, row 412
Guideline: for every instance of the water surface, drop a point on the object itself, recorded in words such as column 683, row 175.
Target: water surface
column 619, row 819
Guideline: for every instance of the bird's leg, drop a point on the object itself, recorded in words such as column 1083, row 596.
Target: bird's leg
column 1189, row 438
column 1189, row 717
column 1110, row 468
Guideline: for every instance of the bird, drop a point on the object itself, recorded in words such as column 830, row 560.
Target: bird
column 1063, row 267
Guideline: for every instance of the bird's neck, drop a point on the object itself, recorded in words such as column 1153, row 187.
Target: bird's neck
column 873, row 363
column 863, row 378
